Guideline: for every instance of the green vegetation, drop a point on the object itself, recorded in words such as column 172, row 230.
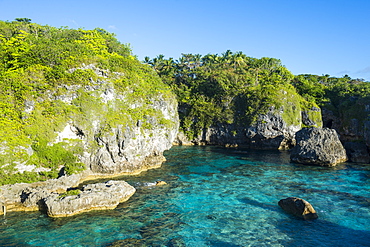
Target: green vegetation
column 74, row 192
column 347, row 98
column 231, row 88
column 50, row 77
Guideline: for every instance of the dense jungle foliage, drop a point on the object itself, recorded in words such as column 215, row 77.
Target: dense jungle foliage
column 38, row 65
column 233, row 88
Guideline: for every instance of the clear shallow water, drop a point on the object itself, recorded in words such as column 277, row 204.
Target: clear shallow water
column 216, row 197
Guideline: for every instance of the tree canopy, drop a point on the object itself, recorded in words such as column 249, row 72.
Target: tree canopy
column 38, row 64
column 233, row 88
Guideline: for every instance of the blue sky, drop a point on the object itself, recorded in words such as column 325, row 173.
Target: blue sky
column 308, row 36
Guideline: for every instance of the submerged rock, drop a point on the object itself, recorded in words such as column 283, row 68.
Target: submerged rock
column 298, row 207
column 318, row 146
column 158, row 183
column 99, row 196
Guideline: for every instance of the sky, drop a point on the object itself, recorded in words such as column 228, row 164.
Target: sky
column 309, row 36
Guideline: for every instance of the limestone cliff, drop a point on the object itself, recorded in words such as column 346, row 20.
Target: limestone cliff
column 109, row 131
column 274, row 128
column 100, row 126
column 75, row 105
column 351, row 119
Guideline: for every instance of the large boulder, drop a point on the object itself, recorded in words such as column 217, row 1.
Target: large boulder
column 298, row 207
column 318, row 146
column 99, row 196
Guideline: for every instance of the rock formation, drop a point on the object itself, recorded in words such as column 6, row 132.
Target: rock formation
column 318, row 146
column 113, row 132
column 132, row 144
column 271, row 130
column 53, row 197
column 351, row 120
column 298, row 207
column 99, row 196
column 159, row 183
column 28, row 197
column 357, row 152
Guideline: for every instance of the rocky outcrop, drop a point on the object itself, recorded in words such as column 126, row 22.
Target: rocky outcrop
column 298, row 207
column 110, row 128
column 271, row 131
column 130, row 145
column 52, row 196
column 114, row 132
column 28, row 197
column 271, row 125
column 99, row 196
column 350, row 118
column 318, row 146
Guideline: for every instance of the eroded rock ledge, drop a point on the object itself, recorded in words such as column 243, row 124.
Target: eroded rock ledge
column 99, row 196
column 53, row 197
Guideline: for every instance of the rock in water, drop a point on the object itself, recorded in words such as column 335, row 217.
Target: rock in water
column 318, row 146
column 99, row 196
column 158, row 183
column 298, row 207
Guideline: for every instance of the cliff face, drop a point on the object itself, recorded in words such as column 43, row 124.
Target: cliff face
column 137, row 141
column 273, row 129
column 78, row 100
column 351, row 120
column 102, row 127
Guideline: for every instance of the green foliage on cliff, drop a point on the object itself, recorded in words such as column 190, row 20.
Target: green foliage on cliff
column 230, row 88
column 233, row 88
column 326, row 90
column 50, row 76
column 347, row 98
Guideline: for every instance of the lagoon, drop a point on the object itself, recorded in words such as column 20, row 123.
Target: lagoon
column 215, row 197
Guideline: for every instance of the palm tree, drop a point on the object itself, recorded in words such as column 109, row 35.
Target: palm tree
column 226, row 57
column 238, row 59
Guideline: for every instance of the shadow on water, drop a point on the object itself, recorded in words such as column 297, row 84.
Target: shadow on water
column 255, row 203
column 314, row 232
column 321, row 233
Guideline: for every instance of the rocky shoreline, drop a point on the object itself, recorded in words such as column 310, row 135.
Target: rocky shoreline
column 34, row 196
column 310, row 146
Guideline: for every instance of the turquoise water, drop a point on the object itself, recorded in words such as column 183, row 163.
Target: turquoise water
column 216, row 197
